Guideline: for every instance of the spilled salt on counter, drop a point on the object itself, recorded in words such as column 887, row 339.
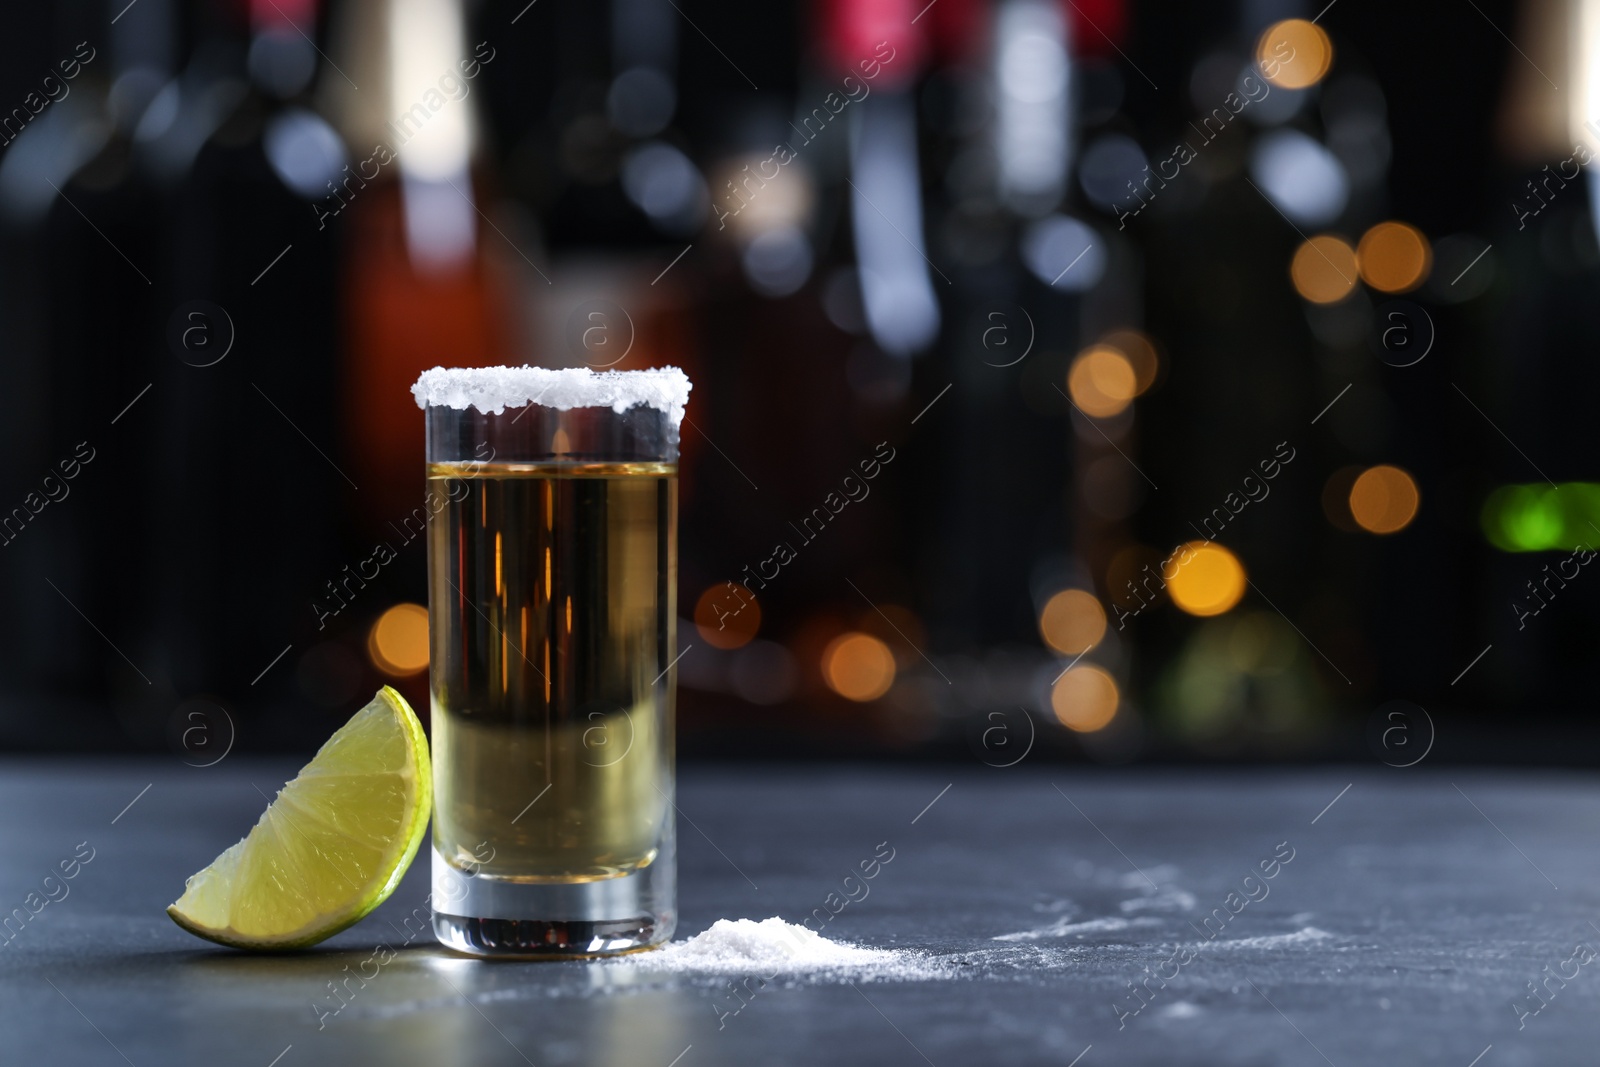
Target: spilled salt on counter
column 1062, row 927
column 772, row 946
column 1308, row 935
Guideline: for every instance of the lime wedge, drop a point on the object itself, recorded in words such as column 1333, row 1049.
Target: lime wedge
column 330, row 848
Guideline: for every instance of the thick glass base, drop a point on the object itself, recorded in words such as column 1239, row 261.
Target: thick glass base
column 486, row 916
column 536, row 939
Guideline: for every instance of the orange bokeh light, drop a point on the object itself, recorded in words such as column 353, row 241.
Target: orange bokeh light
column 858, row 666
column 398, row 641
column 1384, row 499
column 1142, row 356
column 1324, row 269
column 1394, row 257
column 1102, row 381
column 1072, row 621
column 1208, row 580
column 1294, row 54
column 1085, row 698
column 727, row 615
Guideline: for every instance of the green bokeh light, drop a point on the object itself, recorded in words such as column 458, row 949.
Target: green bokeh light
column 1541, row 518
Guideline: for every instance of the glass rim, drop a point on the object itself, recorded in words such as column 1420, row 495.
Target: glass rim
column 492, row 390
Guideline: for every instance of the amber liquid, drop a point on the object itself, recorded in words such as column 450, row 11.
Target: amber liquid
column 553, row 604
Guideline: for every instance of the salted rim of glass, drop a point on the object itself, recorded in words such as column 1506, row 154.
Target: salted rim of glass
column 493, row 389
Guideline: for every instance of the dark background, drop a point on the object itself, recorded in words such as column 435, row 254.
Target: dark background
column 195, row 545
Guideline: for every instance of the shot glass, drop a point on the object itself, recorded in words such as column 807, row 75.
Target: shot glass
column 552, row 609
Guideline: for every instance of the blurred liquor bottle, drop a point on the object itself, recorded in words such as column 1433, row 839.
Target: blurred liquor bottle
column 81, row 229
column 414, row 208
column 242, row 405
column 81, row 167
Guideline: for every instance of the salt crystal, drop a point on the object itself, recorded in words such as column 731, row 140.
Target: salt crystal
column 1308, row 935
column 772, row 946
column 493, row 389
column 1063, row 926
